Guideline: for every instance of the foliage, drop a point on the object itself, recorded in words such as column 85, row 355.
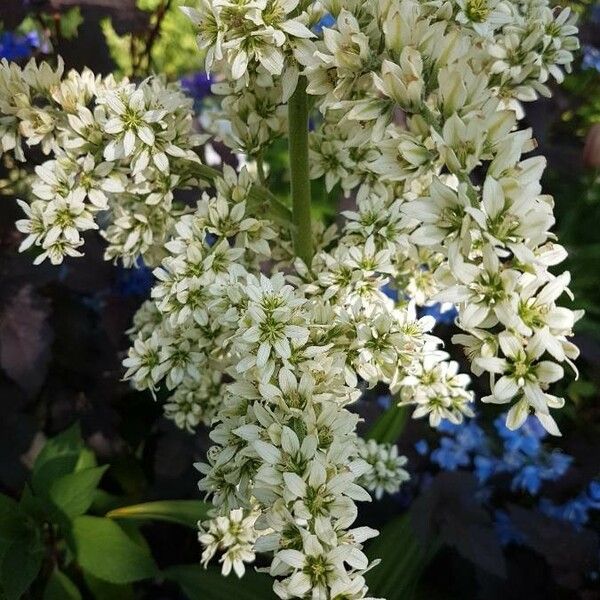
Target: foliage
column 48, row 541
column 168, row 46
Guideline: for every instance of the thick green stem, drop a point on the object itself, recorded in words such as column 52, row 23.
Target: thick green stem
column 299, row 176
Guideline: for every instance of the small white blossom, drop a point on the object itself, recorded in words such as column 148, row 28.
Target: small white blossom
column 387, row 473
column 233, row 535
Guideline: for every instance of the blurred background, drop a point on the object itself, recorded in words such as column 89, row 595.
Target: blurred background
column 494, row 514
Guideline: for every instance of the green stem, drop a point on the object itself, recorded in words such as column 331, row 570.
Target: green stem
column 299, row 176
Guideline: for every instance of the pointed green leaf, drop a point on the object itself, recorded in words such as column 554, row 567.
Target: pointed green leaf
column 73, row 493
column 86, row 460
column 21, row 550
column 58, row 457
column 208, row 584
column 184, row 512
column 390, row 425
column 104, row 550
column 132, row 529
column 33, row 506
column 104, row 502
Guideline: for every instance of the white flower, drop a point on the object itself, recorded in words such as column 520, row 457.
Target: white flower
column 387, row 473
column 317, row 569
column 234, row 535
column 243, row 33
column 438, row 390
column 271, row 321
column 485, row 293
column 143, row 361
column 443, row 217
column 521, row 374
column 403, row 82
column 484, row 16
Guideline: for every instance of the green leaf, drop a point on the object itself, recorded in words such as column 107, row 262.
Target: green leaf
column 208, row 584
column 390, row 425
column 103, row 590
column 21, row 562
column 86, row 460
column 104, row 550
column 60, row 587
column 132, row 530
column 183, row 512
column 403, row 559
column 58, row 457
column 13, row 523
column 73, row 493
column 33, row 506
column 104, row 502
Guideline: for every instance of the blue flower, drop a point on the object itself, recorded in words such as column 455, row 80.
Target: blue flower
column 527, row 439
column 485, row 467
column 470, row 436
column 555, row 465
column 197, row 85
column 529, row 474
column 450, row 455
column 529, row 479
column 327, row 21
column 591, row 58
column 17, row 47
column 464, row 439
column 448, row 427
column 574, row 511
column 593, row 494
column 422, row 447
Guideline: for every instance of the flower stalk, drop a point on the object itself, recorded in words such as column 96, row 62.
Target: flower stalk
column 299, row 172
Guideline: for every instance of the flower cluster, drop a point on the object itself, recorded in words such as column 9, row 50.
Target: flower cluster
column 524, row 456
column 275, row 361
column 576, row 510
column 269, row 330
column 387, row 473
column 421, row 101
column 522, row 459
column 118, row 151
column 438, row 390
column 233, row 535
column 239, row 36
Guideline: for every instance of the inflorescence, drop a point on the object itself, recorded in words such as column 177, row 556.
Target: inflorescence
column 416, row 113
